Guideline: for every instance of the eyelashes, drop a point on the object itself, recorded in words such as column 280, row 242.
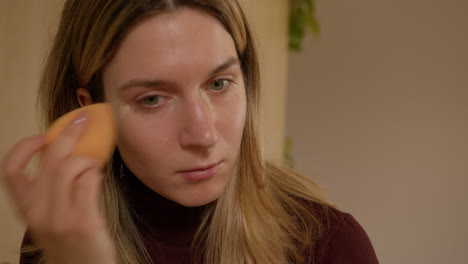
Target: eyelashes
column 153, row 101
column 219, row 84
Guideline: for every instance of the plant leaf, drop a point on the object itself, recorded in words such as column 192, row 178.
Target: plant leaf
column 302, row 18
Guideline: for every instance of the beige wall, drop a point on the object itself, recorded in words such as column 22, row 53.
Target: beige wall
column 26, row 27
column 269, row 19
column 378, row 111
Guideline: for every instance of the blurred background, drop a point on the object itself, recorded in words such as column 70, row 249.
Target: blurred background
column 376, row 110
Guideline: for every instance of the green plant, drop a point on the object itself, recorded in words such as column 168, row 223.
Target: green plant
column 301, row 17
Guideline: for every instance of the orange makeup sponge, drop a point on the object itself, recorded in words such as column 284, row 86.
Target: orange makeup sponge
column 99, row 139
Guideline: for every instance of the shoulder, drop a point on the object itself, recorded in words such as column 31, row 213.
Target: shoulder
column 342, row 240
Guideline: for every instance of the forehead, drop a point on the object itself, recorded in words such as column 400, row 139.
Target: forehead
column 188, row 41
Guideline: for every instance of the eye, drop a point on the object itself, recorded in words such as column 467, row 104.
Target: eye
column 151, row 100
column 218, row 85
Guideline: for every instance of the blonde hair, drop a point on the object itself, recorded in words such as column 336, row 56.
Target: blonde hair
column 277, row 228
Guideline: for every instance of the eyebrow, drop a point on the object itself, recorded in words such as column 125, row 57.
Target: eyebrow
column 230, row 62
column 161, row 83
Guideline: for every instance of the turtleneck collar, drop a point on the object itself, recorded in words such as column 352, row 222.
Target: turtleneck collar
column 160, row 220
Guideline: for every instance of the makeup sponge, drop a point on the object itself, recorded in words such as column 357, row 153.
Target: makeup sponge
column 99, row 138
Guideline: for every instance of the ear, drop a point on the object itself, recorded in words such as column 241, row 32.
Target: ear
column 83, row 97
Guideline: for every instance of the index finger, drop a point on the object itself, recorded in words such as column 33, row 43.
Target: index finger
column 18, row 157
column 65, row 143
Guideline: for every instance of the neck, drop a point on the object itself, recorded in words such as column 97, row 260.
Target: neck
column 158, row 218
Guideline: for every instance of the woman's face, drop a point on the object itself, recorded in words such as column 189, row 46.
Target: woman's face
column 177, row 85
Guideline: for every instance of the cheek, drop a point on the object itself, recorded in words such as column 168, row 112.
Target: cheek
column 232, row 117
column 147, row 131
column 141, row 139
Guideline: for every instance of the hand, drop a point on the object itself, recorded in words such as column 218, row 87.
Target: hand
column 61, row 203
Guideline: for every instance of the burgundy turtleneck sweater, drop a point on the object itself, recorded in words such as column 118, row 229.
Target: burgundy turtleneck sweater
column 168, row 228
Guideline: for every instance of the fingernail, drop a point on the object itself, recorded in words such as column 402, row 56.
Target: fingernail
column 82, row 117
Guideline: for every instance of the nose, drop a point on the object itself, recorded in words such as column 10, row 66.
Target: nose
column 198, row 124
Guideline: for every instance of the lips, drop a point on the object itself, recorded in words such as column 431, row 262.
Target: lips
column 202, row 168
column 201, row 173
